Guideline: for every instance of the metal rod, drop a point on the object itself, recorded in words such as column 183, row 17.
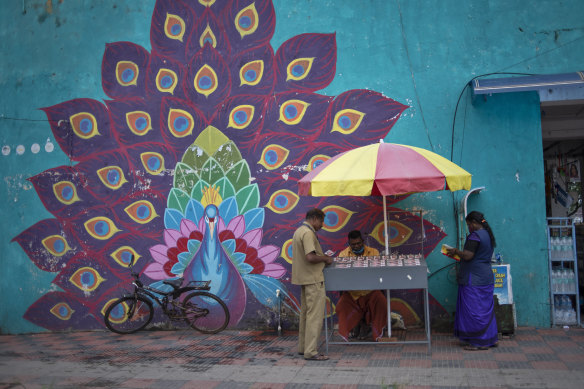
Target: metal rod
column 386, row 226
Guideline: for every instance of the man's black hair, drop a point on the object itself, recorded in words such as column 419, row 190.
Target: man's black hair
column 355, row 234
column 315, row 213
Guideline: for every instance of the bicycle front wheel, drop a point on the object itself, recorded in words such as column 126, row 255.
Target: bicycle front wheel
column 205, row 312
column 129, row 314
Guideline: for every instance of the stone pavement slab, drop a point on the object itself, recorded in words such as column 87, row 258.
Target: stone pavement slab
column 533, row 358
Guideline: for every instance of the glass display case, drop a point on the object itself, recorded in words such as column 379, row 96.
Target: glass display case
column 564, row 293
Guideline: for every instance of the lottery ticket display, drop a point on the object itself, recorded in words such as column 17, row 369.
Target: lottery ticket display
column 379, row 261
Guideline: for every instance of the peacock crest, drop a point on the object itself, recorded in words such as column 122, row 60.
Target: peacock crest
column 192, row 165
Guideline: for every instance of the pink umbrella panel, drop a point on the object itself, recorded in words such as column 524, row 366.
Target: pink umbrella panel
column 384, row 169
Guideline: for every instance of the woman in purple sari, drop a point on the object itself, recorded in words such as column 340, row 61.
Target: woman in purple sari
column 475, row 323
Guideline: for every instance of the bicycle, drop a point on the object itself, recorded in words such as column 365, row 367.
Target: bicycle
column 201, row 309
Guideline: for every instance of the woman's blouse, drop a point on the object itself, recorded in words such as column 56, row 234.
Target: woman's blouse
column 478, row 270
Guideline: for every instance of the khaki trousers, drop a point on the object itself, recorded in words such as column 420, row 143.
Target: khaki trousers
column 312, row 300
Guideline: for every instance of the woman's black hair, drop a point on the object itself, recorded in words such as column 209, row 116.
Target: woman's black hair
column 480, row 218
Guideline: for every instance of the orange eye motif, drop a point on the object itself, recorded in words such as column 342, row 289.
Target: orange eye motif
column 251, row 73
column 101, row 227
column 207, row 37
column 166, row 81
column 292, row 111
column 241, row 116
column 206, row 80
column 112, row 177
column 152, row 162
column 180, row 123
column 86, row 279
column 174, row 27
column 398, row 233
column 84, row 125
column 247, row 20
column 127, row 73
column 62, row 311
column 282, row 201
column 141, row 211
column 273, row 156
column 139, row 122
column 123, row 256
column 65, row 192
column 287, row 251
column 347, row 121
column 298, row 69
column 335, row 217
column 119, row 314
column 56, row 245
column 316, row 160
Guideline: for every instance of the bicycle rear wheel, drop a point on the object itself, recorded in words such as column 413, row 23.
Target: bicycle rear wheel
column 205, row 312
column 129, row 314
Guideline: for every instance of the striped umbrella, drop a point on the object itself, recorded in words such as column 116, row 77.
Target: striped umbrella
column 384, row 169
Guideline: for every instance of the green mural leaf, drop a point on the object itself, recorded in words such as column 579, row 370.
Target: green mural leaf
column 239, row 174
column 225, row 188
column 212, row 171
column 195, row 157
column 248, row 198
column 184, row 177
column 178, row 199
column 227, row 155
column 198, row 190
column 210, row 139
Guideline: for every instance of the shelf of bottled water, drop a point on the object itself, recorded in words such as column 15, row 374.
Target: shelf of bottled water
column 563, row 268
column 562, row 248
column 563, row 280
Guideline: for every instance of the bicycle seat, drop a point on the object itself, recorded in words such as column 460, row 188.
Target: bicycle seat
column 174, row 283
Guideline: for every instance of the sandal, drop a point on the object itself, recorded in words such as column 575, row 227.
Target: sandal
column 318, row 357
column 474, row 348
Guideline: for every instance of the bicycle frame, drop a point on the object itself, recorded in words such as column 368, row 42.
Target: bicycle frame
column 168, row 297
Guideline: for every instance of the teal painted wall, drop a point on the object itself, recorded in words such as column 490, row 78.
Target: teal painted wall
column 418, row 55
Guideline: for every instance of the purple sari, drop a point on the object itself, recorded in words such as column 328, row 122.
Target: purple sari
column 475, row 321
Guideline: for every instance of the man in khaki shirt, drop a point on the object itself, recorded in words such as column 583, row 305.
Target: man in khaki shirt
column 307, row 264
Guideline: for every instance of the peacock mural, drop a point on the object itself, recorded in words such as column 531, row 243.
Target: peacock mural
column 192, row 165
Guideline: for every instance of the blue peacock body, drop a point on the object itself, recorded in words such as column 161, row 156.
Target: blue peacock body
column 192, row 165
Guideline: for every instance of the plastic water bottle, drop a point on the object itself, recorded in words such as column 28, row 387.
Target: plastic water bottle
column 566, row 306
column 561, row 310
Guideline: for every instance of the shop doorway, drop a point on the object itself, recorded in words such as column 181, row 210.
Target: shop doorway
column 562, row 125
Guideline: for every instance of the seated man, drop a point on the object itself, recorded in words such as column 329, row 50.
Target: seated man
column 361, row 306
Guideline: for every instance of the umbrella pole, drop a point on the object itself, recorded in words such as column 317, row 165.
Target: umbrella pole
column 385, row 226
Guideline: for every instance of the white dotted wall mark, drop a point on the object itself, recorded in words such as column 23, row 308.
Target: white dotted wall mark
column 49, row 146
column 35, row 148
